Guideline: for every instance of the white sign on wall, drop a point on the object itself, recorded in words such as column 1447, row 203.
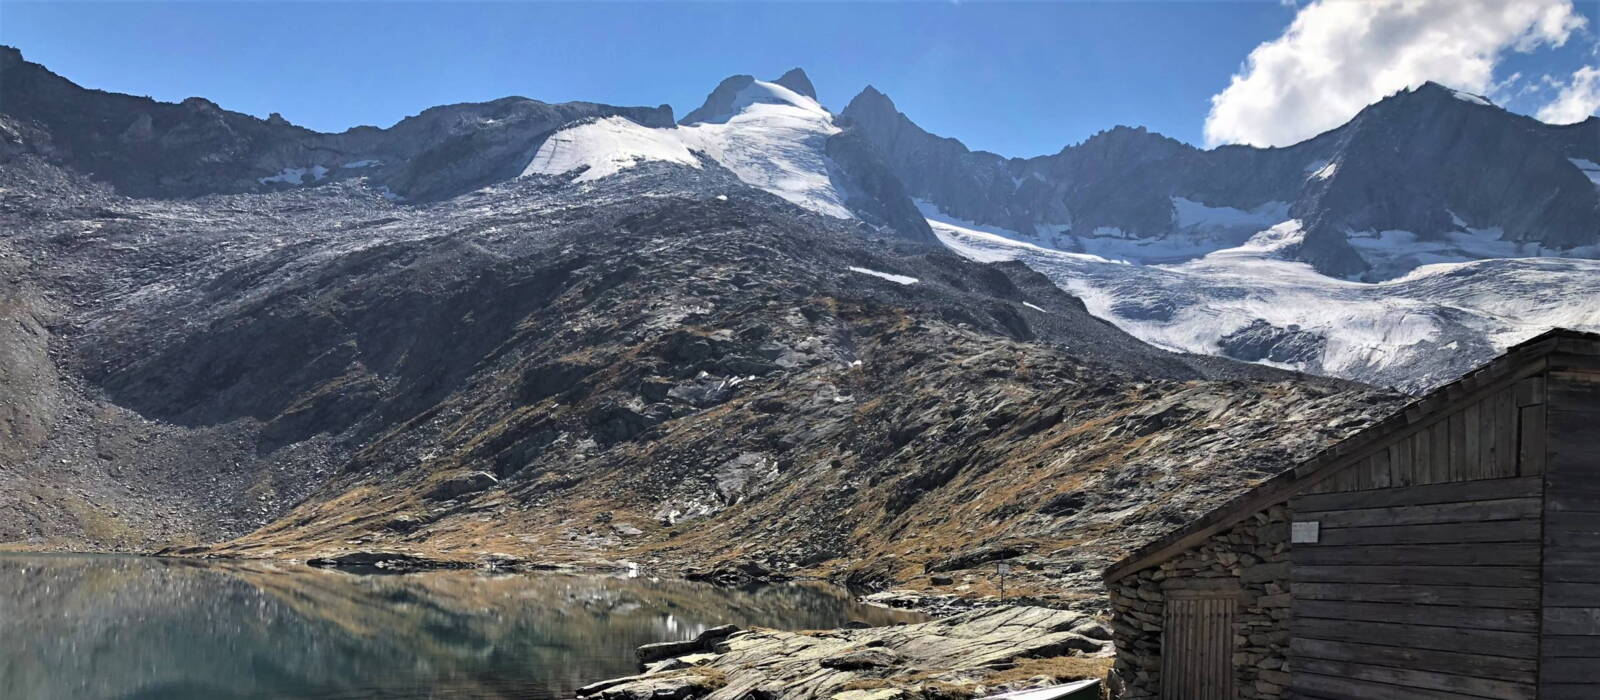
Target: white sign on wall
column 1305, row 532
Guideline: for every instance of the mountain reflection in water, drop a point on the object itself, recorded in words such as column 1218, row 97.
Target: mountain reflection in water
column 83, row 626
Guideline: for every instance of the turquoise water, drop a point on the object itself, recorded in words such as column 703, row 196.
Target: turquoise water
column 85, row 626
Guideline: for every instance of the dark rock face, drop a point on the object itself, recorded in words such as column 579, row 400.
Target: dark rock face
column 1426, row 161
column 719, row 104
column 1412, row 160
column 798, row 81
column 154, row 149
column 876, row 195
column 1263, row 341
column 461, row 485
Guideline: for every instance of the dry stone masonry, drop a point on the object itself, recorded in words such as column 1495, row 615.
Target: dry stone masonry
column 1252, row 558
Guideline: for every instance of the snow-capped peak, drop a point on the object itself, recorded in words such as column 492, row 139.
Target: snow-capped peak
column 736, row 94
column 769, row 135
column 607, row 146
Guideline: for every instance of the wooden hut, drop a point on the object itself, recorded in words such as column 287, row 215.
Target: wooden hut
column 1449, row 551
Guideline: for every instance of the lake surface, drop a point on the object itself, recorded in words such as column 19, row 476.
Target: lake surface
column 85, row 626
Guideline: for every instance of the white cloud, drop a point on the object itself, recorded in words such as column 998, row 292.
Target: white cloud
column 1578, row 99
column 1338, row 56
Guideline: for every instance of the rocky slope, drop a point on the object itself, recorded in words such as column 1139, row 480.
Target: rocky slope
column 971, row 655
column 656, row 355
column 707, row 376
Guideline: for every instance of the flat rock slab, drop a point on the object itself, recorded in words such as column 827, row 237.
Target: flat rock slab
column 957, row 653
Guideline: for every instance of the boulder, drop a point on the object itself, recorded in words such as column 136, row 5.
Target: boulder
column 862, row 659
column 666, row 650
column 461, row 485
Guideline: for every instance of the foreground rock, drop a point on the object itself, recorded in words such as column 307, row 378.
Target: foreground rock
column 969, row 655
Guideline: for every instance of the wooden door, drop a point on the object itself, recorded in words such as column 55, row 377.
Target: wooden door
column 1197, row 646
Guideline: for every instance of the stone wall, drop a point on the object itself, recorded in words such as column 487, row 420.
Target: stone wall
column 1254, row 556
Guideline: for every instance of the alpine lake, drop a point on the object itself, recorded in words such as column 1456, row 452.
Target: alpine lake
column 100, row 626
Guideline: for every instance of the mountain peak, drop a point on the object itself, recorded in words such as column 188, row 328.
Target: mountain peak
column 797, row 80
column 1432, row 91
column 738, row 92
column 872, row 107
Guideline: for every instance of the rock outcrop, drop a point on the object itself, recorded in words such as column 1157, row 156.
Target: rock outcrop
column 963, row 656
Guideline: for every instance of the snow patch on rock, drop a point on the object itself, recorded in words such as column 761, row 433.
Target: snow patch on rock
column 295, row 176
column 1393, row 332
column 897, row 279
column 1590, row 169
column 606, row 147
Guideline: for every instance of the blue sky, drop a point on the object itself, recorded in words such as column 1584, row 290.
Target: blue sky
column 1015, row 78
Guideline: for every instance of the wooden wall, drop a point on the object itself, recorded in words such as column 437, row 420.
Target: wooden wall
column 1570, row 664
column 1478, row 440
column 1427, row 591
column 1424, row 581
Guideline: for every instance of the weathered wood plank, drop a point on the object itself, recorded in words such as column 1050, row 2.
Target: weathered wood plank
column 1530, row 444
column 1418, row 679
column 1428, row 494
column 1470, row 426
column 1307, row 684
column 1501, row 576
column 1422, row 457
column 1556, row 691
column 1382, row 478
column 1457, row 464
column 1440, row 435
column 1400, row 463
column 1518, row 645
column 1563, row 594
column 1482, row 665
column 1572, row 621
column 1496, row 531
column 1505, row 433
column 1572, row 450
column 1572, row 574
column 1486, row 457
column 1475, row 511
column 1361, row 475
column 1561, row 670
column 1504, row 619
column 1554, row 646
column 1572, row 521
column 1475, row 596
column 1530, row 391
column 1475, row 554
column 1573, row 390
column 1572, row 557
column 1561, row 571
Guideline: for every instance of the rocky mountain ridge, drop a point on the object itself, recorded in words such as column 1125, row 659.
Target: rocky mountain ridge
column 1432, row 161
